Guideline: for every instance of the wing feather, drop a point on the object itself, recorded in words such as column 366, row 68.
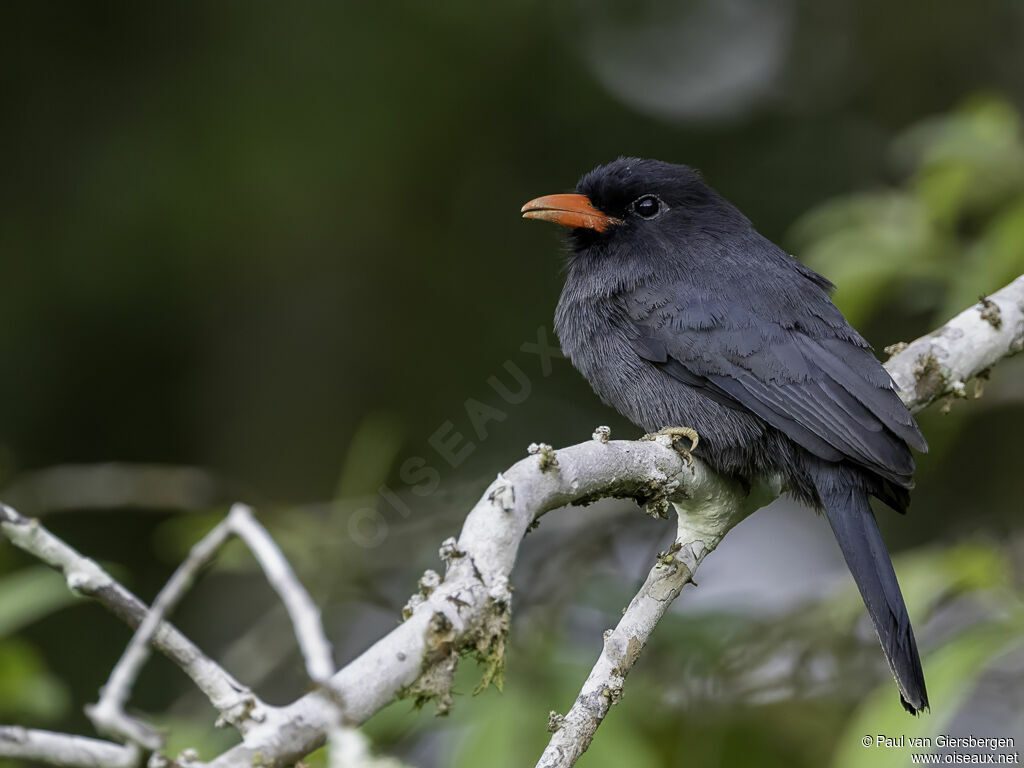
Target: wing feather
column 816, row 381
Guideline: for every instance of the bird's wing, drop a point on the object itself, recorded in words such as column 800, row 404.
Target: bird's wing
column 812, row 378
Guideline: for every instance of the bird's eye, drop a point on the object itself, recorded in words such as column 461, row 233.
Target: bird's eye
column 647, row 206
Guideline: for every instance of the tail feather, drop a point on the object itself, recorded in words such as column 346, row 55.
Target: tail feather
column 855, row 528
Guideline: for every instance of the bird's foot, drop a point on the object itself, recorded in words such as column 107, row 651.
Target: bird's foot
column 675, row 433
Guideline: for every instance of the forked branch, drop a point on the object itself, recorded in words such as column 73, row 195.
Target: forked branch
column 467, row 611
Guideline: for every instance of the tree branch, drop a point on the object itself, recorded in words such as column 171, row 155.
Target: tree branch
column 65, row 750
column 305, row 616
column 943, row 361
column 233, row 700
column 236, row 703
column 108, row 715
column 704, row 519
column 468, row 610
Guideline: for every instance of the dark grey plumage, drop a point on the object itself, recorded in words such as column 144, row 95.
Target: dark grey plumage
column 692, row 318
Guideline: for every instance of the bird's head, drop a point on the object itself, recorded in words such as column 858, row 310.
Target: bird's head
column 638, row 206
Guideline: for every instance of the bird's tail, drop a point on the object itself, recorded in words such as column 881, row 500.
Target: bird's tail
column 855, row 528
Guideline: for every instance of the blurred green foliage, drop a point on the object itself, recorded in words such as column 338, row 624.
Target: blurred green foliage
column 951, row 232
column 953, row 669
column 981, row 574
column 28, row 595
column 27, row 687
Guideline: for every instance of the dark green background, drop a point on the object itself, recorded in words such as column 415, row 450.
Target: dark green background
column 282, row 244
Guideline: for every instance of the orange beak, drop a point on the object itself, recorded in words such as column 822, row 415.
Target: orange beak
column 569, row 211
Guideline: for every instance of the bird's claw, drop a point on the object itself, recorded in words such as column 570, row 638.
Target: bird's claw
column 675, row 433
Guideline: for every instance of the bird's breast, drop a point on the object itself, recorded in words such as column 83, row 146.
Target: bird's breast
column 590, row 337
column 594, row 334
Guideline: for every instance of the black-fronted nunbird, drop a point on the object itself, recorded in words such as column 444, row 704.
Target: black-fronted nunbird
column 678, row 312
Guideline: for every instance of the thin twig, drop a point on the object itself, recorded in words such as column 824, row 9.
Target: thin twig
column 305, row 616
column 111, row 485
column 107, row 714
column 84, row 577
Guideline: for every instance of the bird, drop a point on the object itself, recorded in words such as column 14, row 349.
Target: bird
column 679, row 313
